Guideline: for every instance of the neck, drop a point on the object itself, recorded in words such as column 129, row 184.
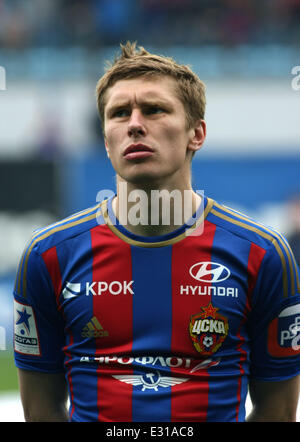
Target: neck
column 154, row 211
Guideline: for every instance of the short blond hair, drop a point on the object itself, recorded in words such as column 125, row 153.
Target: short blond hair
column 136, row 62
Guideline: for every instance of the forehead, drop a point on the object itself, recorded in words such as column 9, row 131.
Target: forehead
column 142, row 88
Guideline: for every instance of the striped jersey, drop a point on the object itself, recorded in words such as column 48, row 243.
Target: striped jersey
column 167, row 328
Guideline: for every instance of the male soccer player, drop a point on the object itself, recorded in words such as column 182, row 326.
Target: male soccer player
column 138, row 319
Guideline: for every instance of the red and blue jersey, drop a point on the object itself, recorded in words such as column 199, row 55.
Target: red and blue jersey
column 166, row 328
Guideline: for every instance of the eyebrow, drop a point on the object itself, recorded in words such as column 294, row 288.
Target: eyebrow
column 151, row 101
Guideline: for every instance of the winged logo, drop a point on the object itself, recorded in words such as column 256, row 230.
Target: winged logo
column 151, row 381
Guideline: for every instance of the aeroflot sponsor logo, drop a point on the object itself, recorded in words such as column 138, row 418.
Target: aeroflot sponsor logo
column 141, row 360
column 95, row 288
column 157, row 362
column 153, row 379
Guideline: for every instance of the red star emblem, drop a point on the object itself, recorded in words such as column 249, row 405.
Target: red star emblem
column 209, row 311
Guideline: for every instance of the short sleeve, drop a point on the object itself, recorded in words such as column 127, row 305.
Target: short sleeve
column 275, row 317
column 38, row 325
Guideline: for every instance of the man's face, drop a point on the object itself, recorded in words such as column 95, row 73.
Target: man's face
column 146, row 134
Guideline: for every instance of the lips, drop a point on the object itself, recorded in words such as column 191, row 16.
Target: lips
column 137, row 151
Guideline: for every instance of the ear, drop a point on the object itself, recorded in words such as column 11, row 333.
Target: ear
column 106, row 147
column 198, row 135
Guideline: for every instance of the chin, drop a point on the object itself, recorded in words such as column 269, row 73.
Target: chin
column 153, row 176
column 143, row 179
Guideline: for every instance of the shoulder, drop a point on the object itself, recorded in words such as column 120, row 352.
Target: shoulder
column 62, row 230
column 46, row 238
column 278, row 256
column 242, row 225
column 54, row 234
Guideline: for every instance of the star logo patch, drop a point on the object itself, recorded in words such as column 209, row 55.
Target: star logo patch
column 26, row 340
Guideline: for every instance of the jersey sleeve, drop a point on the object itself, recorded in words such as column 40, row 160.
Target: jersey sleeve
column 275, row 316
column 38, row 325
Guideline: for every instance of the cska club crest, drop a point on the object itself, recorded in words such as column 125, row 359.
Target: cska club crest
column 208, row 330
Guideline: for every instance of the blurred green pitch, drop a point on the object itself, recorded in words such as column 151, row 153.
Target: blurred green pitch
column 8, row 372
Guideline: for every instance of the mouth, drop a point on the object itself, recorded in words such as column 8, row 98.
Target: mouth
column 138, row 151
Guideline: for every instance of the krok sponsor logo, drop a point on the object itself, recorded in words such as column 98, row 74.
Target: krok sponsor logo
column 209, row 272
column 72, row 290
column 113, row 288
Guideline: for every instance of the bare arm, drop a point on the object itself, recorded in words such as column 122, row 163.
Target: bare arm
column 274, row 401
column 43, row 396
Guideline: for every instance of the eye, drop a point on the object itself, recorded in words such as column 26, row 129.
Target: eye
column 153, row 110
column 120, row 113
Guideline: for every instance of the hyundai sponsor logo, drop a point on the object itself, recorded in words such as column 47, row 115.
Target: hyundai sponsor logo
column 209, row 272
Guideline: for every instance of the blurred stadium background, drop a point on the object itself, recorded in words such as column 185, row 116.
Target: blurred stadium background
column 52, row 160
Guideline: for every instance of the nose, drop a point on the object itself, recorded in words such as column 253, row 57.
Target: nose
column 136, row 124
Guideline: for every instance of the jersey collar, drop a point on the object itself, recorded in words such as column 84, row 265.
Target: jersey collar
column 192, row 228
